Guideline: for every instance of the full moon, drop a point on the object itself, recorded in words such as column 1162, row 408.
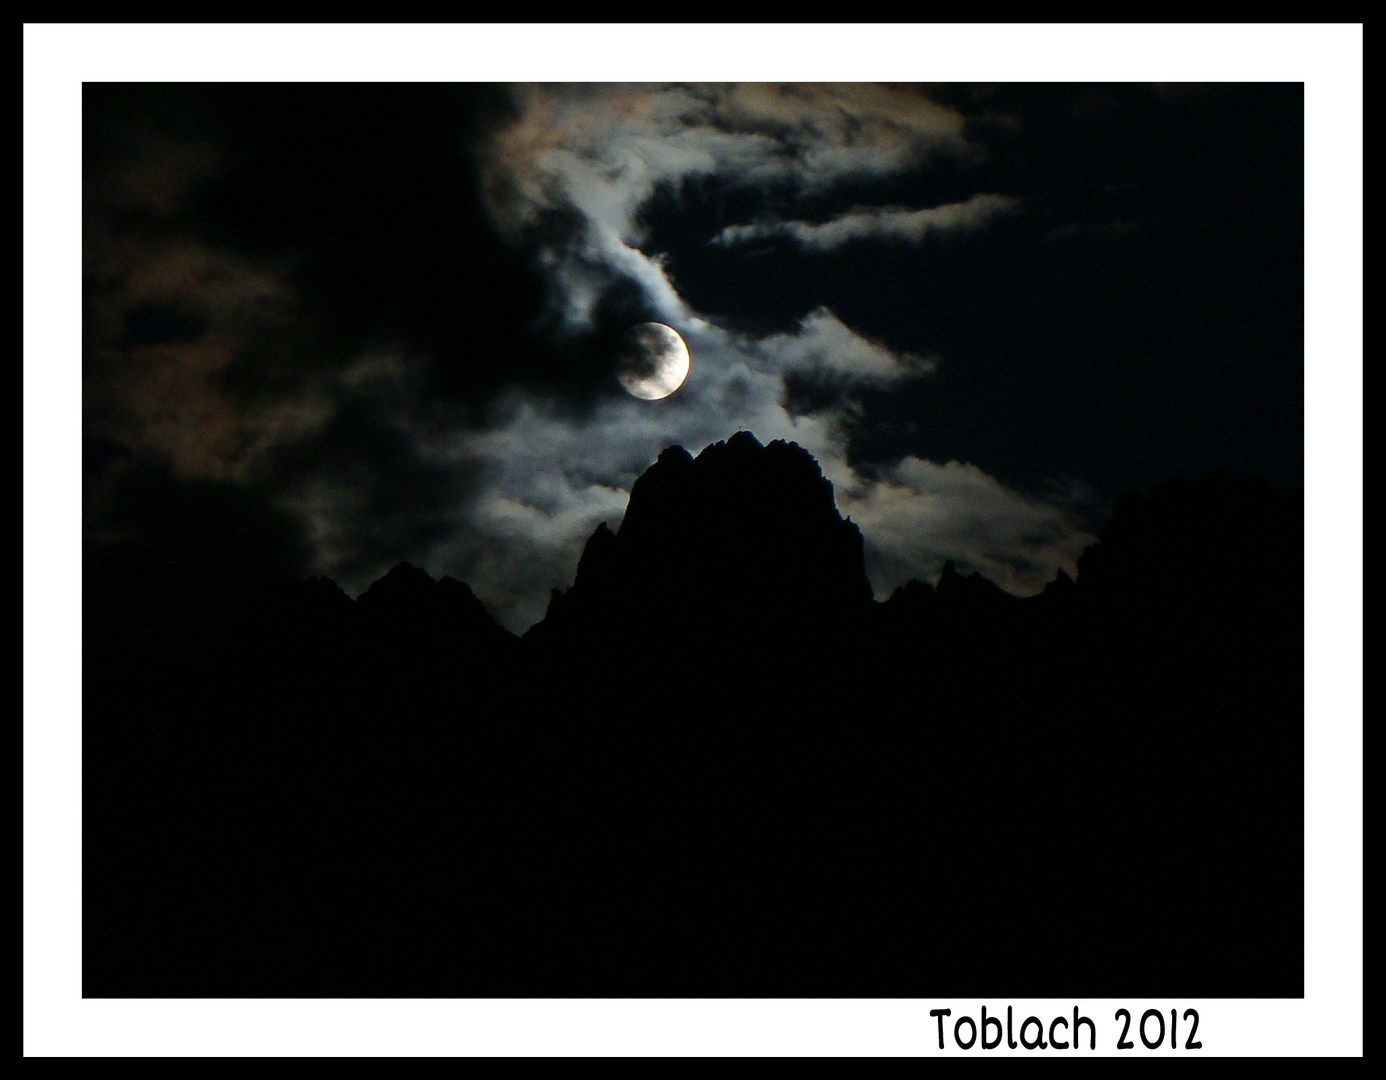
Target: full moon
column 652, row 361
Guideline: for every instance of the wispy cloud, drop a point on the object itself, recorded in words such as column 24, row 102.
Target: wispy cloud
column 879, row 223
column 826, row 347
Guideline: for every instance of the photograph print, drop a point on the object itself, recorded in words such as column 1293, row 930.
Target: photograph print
column 752, row 540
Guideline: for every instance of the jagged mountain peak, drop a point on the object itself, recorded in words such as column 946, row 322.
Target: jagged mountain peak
column 745, row 534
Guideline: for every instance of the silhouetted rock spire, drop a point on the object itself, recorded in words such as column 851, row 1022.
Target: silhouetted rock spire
column 744, row 539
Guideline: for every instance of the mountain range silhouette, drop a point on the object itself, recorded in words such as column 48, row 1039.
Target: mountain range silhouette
column 719, row 767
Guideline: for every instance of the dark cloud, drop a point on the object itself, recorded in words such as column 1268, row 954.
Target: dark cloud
column 367, row 490
column 366, row 196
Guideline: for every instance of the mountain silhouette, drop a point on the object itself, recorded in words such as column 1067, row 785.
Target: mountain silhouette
column 719, row 767
column 739, row 549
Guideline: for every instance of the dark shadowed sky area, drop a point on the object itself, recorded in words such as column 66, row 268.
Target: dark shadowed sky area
column 330, row 327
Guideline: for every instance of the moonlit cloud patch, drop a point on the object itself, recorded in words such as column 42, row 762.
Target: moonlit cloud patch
column 825, row 347
column 232, row 375
column 571, row 176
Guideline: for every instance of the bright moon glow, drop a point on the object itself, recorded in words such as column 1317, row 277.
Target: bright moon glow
column 652, row 361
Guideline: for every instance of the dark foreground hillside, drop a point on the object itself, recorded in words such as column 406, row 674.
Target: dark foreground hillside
column 719, row 768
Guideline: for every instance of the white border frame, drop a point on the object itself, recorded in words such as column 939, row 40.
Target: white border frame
column 58, row 58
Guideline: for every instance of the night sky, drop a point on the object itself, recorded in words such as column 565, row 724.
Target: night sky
column 331, row 327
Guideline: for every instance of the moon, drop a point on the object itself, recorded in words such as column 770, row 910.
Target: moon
column 652, row 361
